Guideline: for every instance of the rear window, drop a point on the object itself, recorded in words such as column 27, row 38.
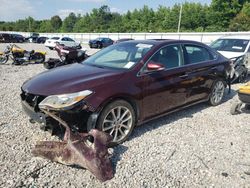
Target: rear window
column 55, row 38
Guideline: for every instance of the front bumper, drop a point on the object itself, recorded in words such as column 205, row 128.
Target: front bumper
column 39, row 117
column 77, row 118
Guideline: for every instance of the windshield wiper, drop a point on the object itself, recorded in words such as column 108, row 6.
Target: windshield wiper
column 99, row 66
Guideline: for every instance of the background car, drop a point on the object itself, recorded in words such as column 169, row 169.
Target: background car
column 236, row 48
column 18, row 38
column 33, row 37
column 5, row 38
column 232, row 47
column 51, row 43
column 41, row 40
column 100, row 42
column 127, row 84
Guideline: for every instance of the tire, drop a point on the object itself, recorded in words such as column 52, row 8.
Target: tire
column 3, row 59
column 99, row 45
column 235, row 108
column 217, row 93
column 243, row 77
column 46, row 65
column 118, row 120
column 51, row 48
column 38, row 57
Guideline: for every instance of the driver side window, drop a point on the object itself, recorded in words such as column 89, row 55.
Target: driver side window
column 169, row 56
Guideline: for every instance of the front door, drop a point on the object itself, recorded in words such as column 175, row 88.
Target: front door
column 165, row 89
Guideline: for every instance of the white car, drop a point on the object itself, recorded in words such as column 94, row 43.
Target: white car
column 234, row 47
column 51, row 43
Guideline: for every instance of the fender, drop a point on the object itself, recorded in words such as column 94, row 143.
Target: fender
column 44, row 53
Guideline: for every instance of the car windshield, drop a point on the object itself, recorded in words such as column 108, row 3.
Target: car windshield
column 231, row 45
column 55, row 38
column 121, row 56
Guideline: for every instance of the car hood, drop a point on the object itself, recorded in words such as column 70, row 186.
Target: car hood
column 231, row 55
column 71, row 78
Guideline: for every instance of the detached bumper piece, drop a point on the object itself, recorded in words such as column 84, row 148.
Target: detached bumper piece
column 87, row 150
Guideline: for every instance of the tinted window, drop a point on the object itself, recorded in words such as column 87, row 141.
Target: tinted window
column 64, row 39
column 196, row 54
column 169, row 56
column 55, row 38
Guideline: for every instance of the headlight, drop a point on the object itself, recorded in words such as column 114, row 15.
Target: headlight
column 57, row 102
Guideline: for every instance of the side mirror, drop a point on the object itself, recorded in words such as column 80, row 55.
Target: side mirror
column 152, row 66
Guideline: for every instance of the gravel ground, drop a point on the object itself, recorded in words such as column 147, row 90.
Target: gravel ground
column 201, row 146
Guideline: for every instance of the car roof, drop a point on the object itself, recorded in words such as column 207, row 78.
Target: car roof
column 236, row 37
column 163, row 41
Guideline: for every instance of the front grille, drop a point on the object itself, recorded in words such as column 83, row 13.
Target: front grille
column 32, row 100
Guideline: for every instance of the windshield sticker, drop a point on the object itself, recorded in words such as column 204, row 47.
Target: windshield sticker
column 140, row 45
column 237, row 47
column 129, row 65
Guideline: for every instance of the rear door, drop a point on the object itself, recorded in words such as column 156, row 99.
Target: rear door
column 202, row 67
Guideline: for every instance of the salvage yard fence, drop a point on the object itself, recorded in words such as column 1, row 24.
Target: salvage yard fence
column 205, row 37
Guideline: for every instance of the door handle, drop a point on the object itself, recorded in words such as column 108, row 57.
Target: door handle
column 184, row 76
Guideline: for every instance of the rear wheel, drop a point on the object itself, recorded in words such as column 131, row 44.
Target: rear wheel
column 217, row 93
column 118, row 120
column 3, row 59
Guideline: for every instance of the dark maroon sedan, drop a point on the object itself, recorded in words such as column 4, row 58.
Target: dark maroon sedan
column 127, row 84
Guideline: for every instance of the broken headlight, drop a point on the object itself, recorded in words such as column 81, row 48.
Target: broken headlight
column 58, row 102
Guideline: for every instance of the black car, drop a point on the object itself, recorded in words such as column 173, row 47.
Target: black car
column 100, row 42
column 41, row 40
column 5, row 38
column 17, row 38
column 33, row 37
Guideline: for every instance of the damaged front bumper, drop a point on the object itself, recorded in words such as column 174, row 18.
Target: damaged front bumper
column 87, row 150
column 80, row 117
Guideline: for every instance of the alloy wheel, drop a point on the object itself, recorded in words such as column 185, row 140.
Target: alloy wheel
column 118, row 123
column 218, row 92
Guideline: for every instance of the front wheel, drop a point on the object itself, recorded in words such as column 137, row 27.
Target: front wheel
column 3, row 59
column 118, row 120
column 217, row 93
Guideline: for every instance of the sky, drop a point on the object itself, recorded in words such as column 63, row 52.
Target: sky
column 12, row 10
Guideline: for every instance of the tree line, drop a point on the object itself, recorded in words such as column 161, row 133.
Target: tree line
column 220, row 15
